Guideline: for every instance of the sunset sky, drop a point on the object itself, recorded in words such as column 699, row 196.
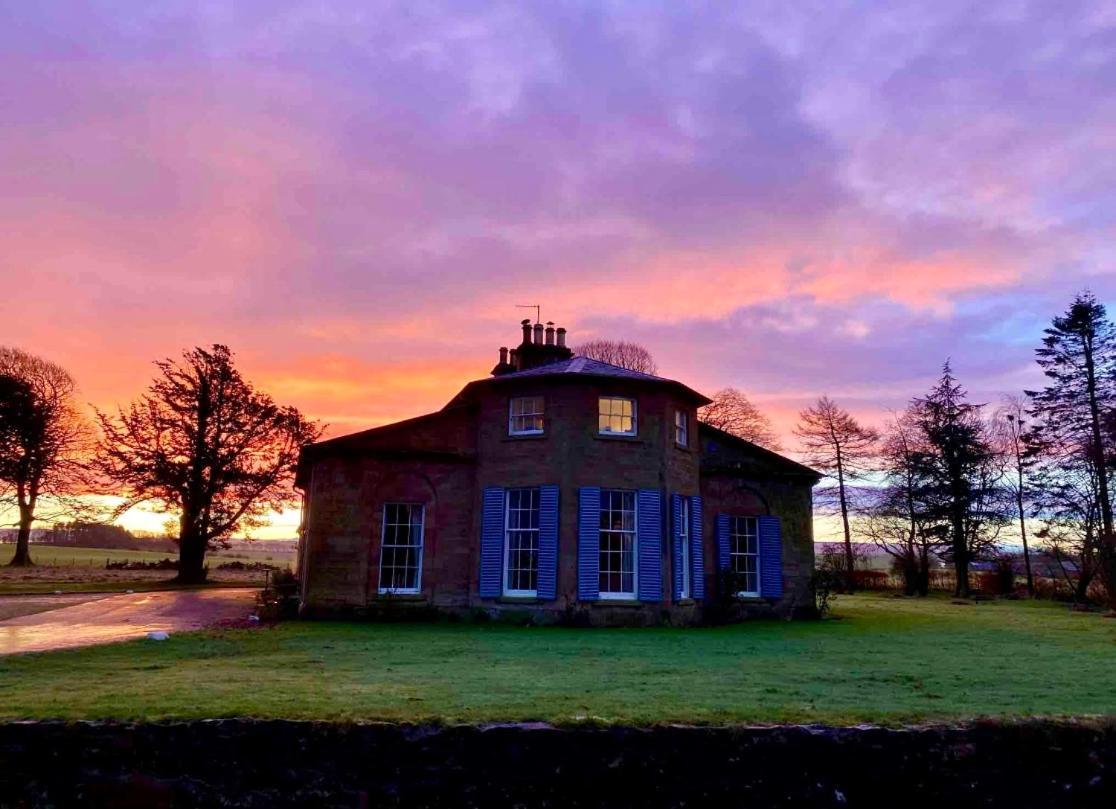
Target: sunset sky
column 792, row 198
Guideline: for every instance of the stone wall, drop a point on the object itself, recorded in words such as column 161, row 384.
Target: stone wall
column 242, row 763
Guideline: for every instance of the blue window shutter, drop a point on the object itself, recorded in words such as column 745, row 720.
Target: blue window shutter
column 697, row 549
column 548, row 543
column 771, row 557
column 492, row 543
column 676, row 543
column 723, row 558
column 588, row 543
column 649, row 542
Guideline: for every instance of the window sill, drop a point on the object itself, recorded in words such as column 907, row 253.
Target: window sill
column 685, row 602
column 620, row 602
column 524, row 437
column 751, row 599
column 518, row 600
column 630, row 439
column 386, row 595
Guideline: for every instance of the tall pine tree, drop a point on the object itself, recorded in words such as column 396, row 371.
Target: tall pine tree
column 963, row 474
column 1078, row 357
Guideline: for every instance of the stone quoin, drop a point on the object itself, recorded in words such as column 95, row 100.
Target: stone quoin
column 563, row 487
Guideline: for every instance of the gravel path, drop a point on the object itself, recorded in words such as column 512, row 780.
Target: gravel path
column 64, row 624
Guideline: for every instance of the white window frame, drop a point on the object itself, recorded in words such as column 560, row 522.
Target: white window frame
column 627, row 595
column 682, row 427
column 508, row 591
column 684, row 539
column 512, row 415
column 733, row 553
column 635, row 416
column 421, row 548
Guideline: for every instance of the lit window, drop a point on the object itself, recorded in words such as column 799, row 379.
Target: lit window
column 525, row 416
column 616, row 416
column 401, row 548
column 521, row 545
column 744, row 552
column 682, row 428
column 618, row 544
column 684, row 543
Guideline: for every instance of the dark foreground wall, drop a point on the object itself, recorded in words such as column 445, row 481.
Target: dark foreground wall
column 274, row 764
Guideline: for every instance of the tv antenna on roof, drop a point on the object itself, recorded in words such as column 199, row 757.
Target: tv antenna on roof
column 535, row 306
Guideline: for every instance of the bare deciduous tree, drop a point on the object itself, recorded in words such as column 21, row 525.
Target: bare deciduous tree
column 621, row 353
column 205, row 443
column 42, row 441
column 843, row 449
column 1009, row 432
column 896, row 521
column 734, row 413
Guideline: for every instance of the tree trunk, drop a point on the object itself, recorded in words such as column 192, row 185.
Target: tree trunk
column 22, row 557
column 1026, row 553
column 1023, row 521
column 191, row 559
column 1081, row 590
column 850, row 559
column 960, row 552
column 1109, row 573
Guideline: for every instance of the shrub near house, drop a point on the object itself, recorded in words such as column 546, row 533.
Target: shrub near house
column 560, row 485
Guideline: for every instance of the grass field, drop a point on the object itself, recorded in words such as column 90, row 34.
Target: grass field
column 885, row 660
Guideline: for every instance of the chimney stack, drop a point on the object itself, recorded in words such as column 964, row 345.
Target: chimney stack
column 542, row 345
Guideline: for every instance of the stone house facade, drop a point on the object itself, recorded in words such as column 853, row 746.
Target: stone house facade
column 562, row 486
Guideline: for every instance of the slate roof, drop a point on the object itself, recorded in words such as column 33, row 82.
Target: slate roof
column 584, row 366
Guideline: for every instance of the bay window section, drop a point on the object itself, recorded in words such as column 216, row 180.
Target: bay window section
column 618, row 559
column 521, row 543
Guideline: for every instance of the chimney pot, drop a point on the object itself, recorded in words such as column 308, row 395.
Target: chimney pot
column 549, row 333
column 561, row 338
column 503, row 355
column 526, row 331
column 539, row 334
column 514, row 359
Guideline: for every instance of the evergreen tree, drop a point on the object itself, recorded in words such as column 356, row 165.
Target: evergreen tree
column 1078, row 357
column 963, row 474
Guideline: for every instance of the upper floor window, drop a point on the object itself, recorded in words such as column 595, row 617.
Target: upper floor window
column 401, row 548
column 682, row 428
column 525, row 416
column 744, row 553
column 616, row 416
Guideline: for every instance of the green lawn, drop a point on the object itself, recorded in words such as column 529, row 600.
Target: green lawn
column 886, row 660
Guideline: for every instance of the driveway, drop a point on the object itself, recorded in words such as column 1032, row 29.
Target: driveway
column 108, row 619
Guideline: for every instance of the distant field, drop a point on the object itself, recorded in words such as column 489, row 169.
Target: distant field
column 83, row 569
column 886, row 660
column 54, row 556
